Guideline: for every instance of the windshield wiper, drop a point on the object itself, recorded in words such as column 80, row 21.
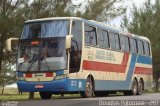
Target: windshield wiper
column 33, row 60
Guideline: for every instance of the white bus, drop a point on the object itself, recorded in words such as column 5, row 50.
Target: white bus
column 72, row 55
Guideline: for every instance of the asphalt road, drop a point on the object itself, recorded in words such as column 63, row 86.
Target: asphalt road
column 140, row 100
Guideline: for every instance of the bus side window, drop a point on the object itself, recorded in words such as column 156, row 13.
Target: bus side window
column 117, row 42
column 140, row 47
column 103, row 39
column 146, row 48
column 90, row 35
column 112, row 40
column 124, row 43
column 127, row 43
column 133, row 45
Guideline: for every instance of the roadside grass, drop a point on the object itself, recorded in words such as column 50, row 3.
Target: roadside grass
column 151, row 91
column 24, row 97
column 9, row 90
column 16, row 97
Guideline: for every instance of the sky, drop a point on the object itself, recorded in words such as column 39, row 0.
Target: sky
column 117, row 21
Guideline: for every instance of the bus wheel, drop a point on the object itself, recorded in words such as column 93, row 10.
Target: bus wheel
column 45, row 95
column 134, row 89
column 140, row 87
column 88, row 89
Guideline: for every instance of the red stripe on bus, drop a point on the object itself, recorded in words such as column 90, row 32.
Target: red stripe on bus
column 142, row 70
column 107, row 67
column 125, row 59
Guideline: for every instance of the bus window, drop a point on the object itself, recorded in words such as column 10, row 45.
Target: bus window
column 76, row 46
column 133, row 45
column 90, row 35
column 103, row 38
column 140, row 47
column 127, row 43
column 112, row 40
column 146, row 48
column 124, row 43
column 117, row 43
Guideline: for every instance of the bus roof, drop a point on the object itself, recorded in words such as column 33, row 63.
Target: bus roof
column 91, row 22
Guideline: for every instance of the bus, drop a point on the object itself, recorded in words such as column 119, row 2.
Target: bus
column 64, row 55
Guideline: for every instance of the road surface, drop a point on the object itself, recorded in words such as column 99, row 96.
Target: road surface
column 139, row 100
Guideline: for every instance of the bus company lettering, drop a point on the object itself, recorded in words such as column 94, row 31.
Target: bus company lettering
column 110, row 56
column 100, row 54
column 90, row 55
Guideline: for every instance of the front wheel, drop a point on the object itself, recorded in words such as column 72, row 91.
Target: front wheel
column 45, row 95
column 89, row 88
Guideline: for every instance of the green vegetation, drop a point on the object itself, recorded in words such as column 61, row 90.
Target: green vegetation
column 25, row 96
column 16, row 97
column 145, row 21
column 13, row 94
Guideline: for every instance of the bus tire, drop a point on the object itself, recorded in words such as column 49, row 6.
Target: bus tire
column 140, row 87
column 89, row 88
column 134, row 89
column 45, row 95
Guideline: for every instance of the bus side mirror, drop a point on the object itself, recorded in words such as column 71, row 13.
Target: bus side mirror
column 8, row 43
column 68, row 41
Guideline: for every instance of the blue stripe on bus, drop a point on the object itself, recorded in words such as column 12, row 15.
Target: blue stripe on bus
column 118, row 85
column 61, row 85
column 144, row 60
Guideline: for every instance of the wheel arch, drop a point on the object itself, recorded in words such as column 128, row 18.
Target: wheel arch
column 92, row 79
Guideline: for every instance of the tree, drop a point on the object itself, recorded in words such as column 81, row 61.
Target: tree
column 101, row 10
column 9, row 24
column 89, row 9
column 7, row 76
column 145, row 21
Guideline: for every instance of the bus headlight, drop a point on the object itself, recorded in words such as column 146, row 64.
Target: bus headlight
column 61, row 76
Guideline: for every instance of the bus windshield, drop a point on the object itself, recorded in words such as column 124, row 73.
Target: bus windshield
column 42, row 46
column 45, row 29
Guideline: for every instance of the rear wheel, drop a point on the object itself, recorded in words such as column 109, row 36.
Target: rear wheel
column 134, row 89
column 89, row 88
column 45, row 95
column 140, row 87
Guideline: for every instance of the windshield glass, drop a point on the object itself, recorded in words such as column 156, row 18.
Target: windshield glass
column 45, row 29
column 42, row 55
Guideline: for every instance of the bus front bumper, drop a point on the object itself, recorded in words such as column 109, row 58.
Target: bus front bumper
column 61, row 85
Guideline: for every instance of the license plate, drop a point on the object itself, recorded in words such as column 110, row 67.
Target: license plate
column 39, row 86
